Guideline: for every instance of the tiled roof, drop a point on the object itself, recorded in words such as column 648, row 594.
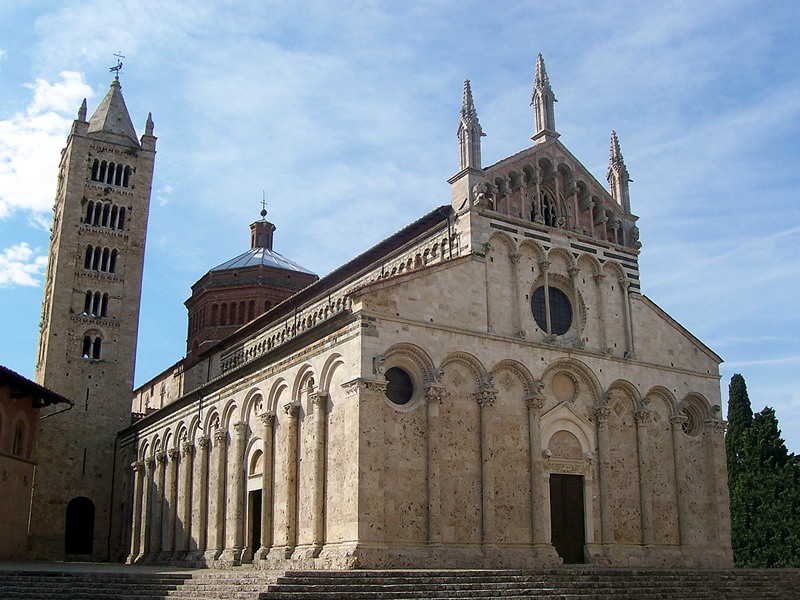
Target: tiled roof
column 261, row 257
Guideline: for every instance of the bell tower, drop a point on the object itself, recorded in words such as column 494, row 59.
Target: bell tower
column 88, row 330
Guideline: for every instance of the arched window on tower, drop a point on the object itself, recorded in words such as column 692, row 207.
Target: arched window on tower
column 126, row 177
column 96, row 304
column 104, row 305
column 96, row 262
column 110, row 178
column 18, row 445
column 106, row 210
column 114, row 213
column 89, row 211
column 104, row 264
column 214, row 310
column 101, row 176
column 87, row 262
column 251, row 310
column 112, row 266
column 87, row 303
column 95, row 168
column 233, row 313
column 121, row 220
column 86, row 352
column 241, row 312
column 118, row 176
column 96, row 348
column 267, row 305
column 549, row 210
column 223, row 314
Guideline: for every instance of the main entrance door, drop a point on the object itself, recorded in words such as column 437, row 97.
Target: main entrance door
column 79, row 527
column 567, row 517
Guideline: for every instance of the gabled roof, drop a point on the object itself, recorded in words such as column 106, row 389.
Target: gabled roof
column 22, row 387
column 112, row 116
column 261, row 257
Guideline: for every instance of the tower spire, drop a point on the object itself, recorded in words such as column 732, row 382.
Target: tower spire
column 617, row 175
column 542, row 100
column 469, row 131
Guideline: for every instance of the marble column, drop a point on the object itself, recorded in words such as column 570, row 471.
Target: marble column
column 199, row 527
column 677, row 422
column 268, row 421
column 714, row 434
column 574, row 272
column 486, row 399
column 136, row 520
column 601, row 310
column 158, row 504
column 643, row 418
column 290, row 507
column 624, row 287
column 183, row 526
column 544, row 267
column 604, row 449
column 516, row 308
column 540, row 530
column 236, row 474
column 434, row 394
column 147, row 508
column 539, row 182
column 320, row 402
column 170, row 509
column 218, row 519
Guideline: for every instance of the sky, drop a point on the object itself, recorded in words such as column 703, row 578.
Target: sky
column 344, row 114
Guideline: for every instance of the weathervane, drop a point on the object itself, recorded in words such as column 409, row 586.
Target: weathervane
column 116, row 69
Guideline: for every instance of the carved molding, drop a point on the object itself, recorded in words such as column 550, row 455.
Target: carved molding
column 202, row 441
column 267, row 418
column 174, row 454
column 435, row 393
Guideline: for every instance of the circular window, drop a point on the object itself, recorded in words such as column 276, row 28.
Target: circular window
column 693, row 426
column 399, row 388
column 560, row 310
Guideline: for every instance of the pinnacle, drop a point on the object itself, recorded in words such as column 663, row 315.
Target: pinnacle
column 615, row 154
column 541, row 81
column 468, row 111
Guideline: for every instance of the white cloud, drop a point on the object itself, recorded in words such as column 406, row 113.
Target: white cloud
column 20, row 265
column 30, row 143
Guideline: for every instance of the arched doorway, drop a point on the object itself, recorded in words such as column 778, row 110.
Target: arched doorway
column 79, row 529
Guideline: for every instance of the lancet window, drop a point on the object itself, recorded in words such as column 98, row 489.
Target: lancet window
column 117, row 174
column 102, row 214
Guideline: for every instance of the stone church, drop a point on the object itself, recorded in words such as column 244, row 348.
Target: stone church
column 487, row 387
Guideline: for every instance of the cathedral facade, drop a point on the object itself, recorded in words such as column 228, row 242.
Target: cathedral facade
column 486, row 387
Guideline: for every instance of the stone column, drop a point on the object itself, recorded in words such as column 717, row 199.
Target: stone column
column 591, row 216
column 158, row 504
column 486, row 399
column 218, row 520
column 200, row 514
column 601, row 310
column 643, row 418
column 544, row 267
column 320, row 402
column 516, row 309
column 574, row 272
column 183, row 526
column 715, row 448
column 292, row 425
column 147, row 509
column 677, row 422
column 603, row 449
column 170, row 508
column 136, row 519
column 540, row 534
column 575, row 206
column 539, row 181
column 626, row 310
column 268, row 421
column 237, row 480
column 434, row 394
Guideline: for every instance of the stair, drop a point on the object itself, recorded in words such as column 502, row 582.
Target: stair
column 133, row 583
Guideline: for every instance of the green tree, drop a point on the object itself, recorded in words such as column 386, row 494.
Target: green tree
column 764, row 483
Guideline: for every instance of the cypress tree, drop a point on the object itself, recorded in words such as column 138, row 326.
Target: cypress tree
column 764, row 483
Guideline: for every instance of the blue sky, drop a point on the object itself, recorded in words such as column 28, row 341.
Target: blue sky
column 345, row 115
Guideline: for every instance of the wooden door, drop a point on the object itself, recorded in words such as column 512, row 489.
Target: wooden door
column 567, row 516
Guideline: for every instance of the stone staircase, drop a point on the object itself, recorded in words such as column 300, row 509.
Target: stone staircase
column 556, row 584
column 553, row 584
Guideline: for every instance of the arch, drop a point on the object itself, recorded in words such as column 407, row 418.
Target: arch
column 255, row 460
column 87, row 262
column 563, row 418
column 613, row 266
column 305, row 375
column 121, row 218
column 89, row 211
column 118, row 175
column 536, row 247
column 101, row 176
column 95, row 169
column 697, row 410
column 79, row 528
column 504, row 239
column 579, row 368
column 253, row 404
column 143, row 450
column 98, row 251
column 521, row 371
column 112, row 266
column 104, row 305
column 415, row 357
column 110, row 177
column 19, row 442
column 664, row 394
column 333, row 362
column 114, row 215
column 558, row 252
column 279, row 386
column 212, row 421
column 104, row 260
column 594, row 264
column 126, row 176
column 481, row 377
column 106, row 210
column 630, row 390
column 227, row 413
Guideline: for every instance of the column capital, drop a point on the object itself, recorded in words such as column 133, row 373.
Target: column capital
column 267, row 418
column 187, row 449
column 174, row 454
column 220, row 436
column 240, row 428
column 544, row 265
column 643, row 416
column 486, row 398
column 574, row 272
column 715, row 425
column 137, row 466
column 514, row 257
column 202, row 441
column 292, row 409
column 150, row 463
column 678, row 421
column 602, row 412
column 364, row 385
column 435, row 392
column 535, row 402
column 598, row 278
column 320, row 399
column 161, row 457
